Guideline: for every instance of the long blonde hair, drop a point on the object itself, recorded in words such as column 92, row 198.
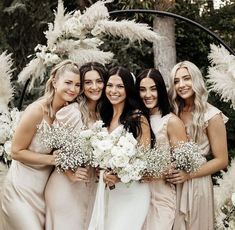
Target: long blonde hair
column 56, row 73
column 196, row 128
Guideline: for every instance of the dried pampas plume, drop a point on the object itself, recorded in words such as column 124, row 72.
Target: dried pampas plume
column 78, row 36
column 223, row 193
column 221, row 75
column 6, row 89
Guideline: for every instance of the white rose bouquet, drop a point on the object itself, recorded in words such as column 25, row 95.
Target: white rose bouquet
column 119, row 153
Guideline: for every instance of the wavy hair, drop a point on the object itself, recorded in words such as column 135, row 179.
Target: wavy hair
column 200, row 98
column 163, row 103
column 82, row 100
column 57, row 72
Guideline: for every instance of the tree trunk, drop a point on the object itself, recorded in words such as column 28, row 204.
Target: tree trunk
column 164, row 49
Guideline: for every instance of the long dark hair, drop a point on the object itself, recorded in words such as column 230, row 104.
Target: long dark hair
column 132, row 111
column 163, row 100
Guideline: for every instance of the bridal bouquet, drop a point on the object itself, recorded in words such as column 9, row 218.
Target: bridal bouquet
column 118, row 151
column 186, row 156
column 72, row 146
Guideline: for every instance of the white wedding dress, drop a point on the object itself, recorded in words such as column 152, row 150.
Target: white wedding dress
column 126, row 205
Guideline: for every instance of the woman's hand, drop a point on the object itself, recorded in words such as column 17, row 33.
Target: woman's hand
column 110, row 179
column 177, row 176
column 81, row 174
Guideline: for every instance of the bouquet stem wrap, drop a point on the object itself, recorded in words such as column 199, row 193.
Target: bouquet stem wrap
column 98, row 214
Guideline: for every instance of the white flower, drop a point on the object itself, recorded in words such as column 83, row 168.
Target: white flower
column 233, row 199
column 104, row 145
column 86, row 133
column 4, row 132
column 125, row 179
column 7, row 147
column 97, row 125
column 127, row 145
column 119, row 161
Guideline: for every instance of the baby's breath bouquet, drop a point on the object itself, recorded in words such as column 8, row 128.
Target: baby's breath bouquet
column 186, row 156
column 158, row 160
column 71, row 146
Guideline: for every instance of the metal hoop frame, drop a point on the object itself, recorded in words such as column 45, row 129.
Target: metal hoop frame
column 156, row 12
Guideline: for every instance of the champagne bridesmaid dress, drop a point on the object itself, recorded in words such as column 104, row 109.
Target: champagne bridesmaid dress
column 22, row 198
column 161, row 213
column 69, row 204
column 195, row 209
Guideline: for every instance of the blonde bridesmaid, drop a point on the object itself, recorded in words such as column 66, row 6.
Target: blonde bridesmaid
column 22, row 202
column 205, row 125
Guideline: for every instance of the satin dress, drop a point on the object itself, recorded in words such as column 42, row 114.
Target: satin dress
column 69, row 204
column 162, row 208
column 195, row 209
column 22, row 197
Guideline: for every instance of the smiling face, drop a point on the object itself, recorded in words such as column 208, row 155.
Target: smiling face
column 148, row 92
column 93, row 85
column 115, row 90
column 67, row 86
column 183, row 84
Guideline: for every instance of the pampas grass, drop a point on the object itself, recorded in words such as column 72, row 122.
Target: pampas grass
column 223, row 193
column 6, row 89
column 126, row 29
column 221, row 75
column 78, row 36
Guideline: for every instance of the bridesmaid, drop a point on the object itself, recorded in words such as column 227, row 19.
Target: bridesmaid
column 205, row 126
column 22, row 204
column 168, row 130
column 127, row 205
column 70, row 196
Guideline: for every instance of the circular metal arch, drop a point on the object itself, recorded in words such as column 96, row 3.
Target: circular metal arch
column 157, row 12
column 176, row 16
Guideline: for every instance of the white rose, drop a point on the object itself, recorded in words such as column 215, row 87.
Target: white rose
column 119, row 161
column 118, row 151
column 233, row 199
column 102, row 135
column 125, row 179
column 127, row 145
column 7, row 147
column 104, row 145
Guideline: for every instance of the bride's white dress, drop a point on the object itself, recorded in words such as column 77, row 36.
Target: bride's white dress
column 126, row 205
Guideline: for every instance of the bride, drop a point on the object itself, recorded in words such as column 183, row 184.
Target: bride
column 127, row 205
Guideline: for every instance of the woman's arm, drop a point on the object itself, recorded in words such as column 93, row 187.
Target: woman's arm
column 22, row 138
column 216, row 133
column 176, row 131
